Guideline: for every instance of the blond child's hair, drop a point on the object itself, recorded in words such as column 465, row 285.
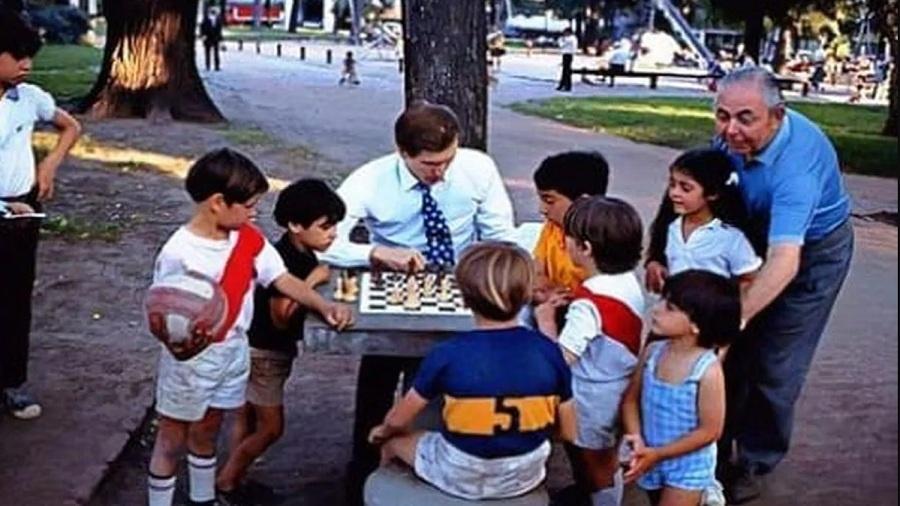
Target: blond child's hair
column 495, row 279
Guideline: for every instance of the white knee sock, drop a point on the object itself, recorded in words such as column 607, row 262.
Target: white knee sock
column 202, row 474
column 160, row 490
column 611, row 496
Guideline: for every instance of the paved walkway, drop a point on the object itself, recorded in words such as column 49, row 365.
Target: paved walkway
column 845, row 449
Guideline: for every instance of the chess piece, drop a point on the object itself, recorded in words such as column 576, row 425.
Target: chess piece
column 428, row 287
column 351, row 288
column 339, row 288
column 446, row 289
column 413, row 301
column 394, row 294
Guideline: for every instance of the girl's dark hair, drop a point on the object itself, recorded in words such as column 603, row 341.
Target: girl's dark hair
column 307, row 200
column 711, row 301
column 713, row 170
column 228, row 172
column 17, row 37
column 612, row 227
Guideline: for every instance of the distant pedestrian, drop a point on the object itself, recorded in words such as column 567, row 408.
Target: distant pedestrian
column 349, row 72
column 568, row 44
column 211, row 31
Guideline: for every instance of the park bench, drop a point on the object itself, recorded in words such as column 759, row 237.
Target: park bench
column 784, row 82
column 653, row 75
column 395, row 486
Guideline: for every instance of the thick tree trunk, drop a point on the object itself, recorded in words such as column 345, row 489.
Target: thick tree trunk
column 890, row 125
column 753, row 33
column 294, row 18
column 257, row 14
column 445, row 46
column 149, row 70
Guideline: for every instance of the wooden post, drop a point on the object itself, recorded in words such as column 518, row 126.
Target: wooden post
column 400, row 65
column 258, row 49
column 445, row 55
column 328, row 56
column 278, row 50
column 302, row 52
column 240, row 44
column 653, row 82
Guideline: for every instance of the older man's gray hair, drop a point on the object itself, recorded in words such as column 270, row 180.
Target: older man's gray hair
column 759, row 76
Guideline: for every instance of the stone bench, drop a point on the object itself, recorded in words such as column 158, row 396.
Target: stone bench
column 396, row 486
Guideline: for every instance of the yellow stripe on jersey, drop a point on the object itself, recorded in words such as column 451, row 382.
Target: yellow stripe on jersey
column 481, row 416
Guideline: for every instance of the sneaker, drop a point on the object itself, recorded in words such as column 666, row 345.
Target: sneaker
column 714, row 495
column 21, row 404
column 745, row 487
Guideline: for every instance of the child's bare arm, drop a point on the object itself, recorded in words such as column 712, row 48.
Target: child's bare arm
column 631, row 399
column 69, row 131
column 711, row 414
column 337, row 315
column 400, row 418
column 567, row 428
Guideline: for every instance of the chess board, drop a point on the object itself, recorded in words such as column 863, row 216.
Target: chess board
column 373, row 296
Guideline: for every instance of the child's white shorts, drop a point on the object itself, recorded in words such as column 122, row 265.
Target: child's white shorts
column 215, row 378
column 463, row 475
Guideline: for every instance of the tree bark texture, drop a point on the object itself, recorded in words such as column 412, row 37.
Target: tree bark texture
column 753, row 33
column 888, row 21
column 149, row 68
column 445, row 46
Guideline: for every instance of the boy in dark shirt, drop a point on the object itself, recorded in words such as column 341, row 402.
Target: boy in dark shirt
column 308, row 210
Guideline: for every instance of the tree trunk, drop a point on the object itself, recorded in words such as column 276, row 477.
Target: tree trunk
column 753, row 33
column 890, row 125
column 294, row 15
column 445, row 46
column 149, row 70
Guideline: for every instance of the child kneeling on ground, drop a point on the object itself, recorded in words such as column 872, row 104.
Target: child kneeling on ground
column 506, row 389
column 220, row 243
column 309, row 211
column 674, row 409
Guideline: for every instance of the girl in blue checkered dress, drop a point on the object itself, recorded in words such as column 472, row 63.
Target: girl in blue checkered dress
column 674, row 409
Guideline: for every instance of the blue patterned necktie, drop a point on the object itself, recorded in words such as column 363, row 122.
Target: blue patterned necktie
column 439, row 249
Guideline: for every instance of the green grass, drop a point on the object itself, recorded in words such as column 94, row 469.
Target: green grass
column 73, row 229
column 247, row 33
column 66, row 71
column 248, row 136
column 688, row 122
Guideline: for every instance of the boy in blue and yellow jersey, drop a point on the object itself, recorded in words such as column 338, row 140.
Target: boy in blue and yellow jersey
column 497, row 420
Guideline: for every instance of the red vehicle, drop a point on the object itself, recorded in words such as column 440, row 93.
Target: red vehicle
column 241, row 11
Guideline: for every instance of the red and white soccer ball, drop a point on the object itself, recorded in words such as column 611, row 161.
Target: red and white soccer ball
column 177, row 305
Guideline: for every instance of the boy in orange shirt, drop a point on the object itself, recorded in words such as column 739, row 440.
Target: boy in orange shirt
column 561, row 179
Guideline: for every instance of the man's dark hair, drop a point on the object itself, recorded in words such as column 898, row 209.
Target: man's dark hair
column 228, row 172
column 17, row 37
column 307, row 200
column 612, row 227
column 573, row 174
column 424, row 126
column 712, row 302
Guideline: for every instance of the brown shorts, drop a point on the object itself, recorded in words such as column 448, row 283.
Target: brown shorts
column 268, row 372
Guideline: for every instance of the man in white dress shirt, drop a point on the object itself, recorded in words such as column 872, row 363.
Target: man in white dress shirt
column 422, row 205
column 568, row 45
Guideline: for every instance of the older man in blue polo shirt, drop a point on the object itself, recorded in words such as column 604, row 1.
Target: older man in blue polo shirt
column 791, row 182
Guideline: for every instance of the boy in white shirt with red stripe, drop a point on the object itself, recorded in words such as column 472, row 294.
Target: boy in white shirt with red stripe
column 601, row 338
column 219, row 242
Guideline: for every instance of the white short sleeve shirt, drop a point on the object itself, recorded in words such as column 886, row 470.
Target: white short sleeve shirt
column 186, row 251
column 20, row 108
column 715, row 247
